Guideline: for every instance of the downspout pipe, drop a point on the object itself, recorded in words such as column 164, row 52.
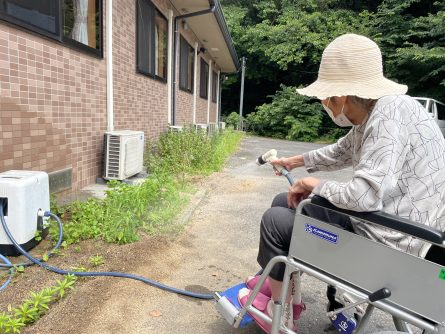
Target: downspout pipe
column 110, row 92
column 175, row 47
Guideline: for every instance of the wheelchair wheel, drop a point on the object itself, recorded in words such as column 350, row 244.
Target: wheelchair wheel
column 406, row 327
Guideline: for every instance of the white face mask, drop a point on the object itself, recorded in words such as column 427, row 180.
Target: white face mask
column 341, row 119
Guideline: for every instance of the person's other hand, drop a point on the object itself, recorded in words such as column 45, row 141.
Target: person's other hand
column 301, row 190
column 288, row 163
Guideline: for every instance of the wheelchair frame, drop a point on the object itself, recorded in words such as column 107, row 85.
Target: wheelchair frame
column 326, row 252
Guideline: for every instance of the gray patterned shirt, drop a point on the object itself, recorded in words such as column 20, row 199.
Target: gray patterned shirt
column 398, row 161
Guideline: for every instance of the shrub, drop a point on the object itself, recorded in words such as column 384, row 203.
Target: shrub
column 289, row 116
column 232, row 120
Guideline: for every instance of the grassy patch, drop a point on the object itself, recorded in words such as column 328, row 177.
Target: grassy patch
column 191, row 152
column 152, row 205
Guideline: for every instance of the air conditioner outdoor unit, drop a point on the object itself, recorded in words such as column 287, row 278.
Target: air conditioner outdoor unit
column 212, row 129
column 222, row 125
column 124, row 154
column 201, row 126
column 175, row 128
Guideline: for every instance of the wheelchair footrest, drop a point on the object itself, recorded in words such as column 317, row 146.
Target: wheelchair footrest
column 229, row 306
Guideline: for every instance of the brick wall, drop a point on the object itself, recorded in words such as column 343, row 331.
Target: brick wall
column 53, row 98
column 52, row 106
column 140, row 102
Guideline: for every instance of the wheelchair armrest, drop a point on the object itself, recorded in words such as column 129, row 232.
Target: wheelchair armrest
column 391, row 221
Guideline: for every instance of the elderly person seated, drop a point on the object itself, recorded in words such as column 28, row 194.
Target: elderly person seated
column 396, row 151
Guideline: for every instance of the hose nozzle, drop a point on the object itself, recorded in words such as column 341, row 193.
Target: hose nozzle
column 266, row 157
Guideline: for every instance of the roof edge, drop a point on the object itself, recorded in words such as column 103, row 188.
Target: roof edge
column 225, row 30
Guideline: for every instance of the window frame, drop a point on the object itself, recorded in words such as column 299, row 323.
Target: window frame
column 182, row 80
column 31, row 27
column 152, row 50
column 72, row 42
column 214, row 86
column 59, row 35
column 204, row 76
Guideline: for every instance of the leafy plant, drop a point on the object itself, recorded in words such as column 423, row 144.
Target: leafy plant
column 33, row 308
column 64, row 285
column 28, row 313
column 40, row 300
column 14, row 325
column 19, row 269
column 96, row 260
column 4, row 322
column 38, row 235
column 79, row 269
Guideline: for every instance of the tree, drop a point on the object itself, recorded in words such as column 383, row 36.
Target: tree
column 412, row 37
column 283, row 41
column 289, row 116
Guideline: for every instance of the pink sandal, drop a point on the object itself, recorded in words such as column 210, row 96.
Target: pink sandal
column 260, row 303
column 252, row 281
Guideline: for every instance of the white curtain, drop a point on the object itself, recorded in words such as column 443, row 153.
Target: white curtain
column 80, row 29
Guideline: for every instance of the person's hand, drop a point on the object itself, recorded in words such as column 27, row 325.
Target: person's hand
column 301, row 190
column 288, row 163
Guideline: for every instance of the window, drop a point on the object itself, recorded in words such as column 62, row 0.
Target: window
column 440, row 111
column 204, row 79
column 76, row 22
column 39, row 15
column 214, row 86
column 82, row 26
column 186, row 66
column 151, row 40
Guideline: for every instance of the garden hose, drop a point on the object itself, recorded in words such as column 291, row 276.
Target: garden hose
column 87, row 274
column 9, row 265
column 49, row 254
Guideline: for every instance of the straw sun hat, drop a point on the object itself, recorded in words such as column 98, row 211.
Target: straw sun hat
column 352, row 65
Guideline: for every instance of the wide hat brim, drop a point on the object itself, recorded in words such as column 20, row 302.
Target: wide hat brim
column 373, row 89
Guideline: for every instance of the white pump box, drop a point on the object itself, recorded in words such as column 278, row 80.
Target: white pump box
column 26, row 192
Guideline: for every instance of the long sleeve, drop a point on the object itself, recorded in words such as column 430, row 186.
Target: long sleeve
column 385, row 145
column 333, row 157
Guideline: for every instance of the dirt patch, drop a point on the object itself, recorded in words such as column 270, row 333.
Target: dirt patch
column 122, row 258
column 141, row 258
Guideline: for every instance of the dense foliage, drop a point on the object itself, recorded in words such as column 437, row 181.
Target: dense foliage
column 151, row 205
column 289, row 116
column 283, row 41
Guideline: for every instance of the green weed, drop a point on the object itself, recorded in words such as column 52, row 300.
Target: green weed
column 35, row 306
column 152, row 205
column 96, row 260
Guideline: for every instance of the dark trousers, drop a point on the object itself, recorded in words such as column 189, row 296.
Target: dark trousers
column 276, row 230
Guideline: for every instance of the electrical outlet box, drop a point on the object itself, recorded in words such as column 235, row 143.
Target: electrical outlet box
column 25, row 193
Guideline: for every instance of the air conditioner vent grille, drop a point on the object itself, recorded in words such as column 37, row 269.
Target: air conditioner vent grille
column 124, row 154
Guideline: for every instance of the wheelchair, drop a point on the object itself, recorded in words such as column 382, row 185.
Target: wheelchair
column 409, row 288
